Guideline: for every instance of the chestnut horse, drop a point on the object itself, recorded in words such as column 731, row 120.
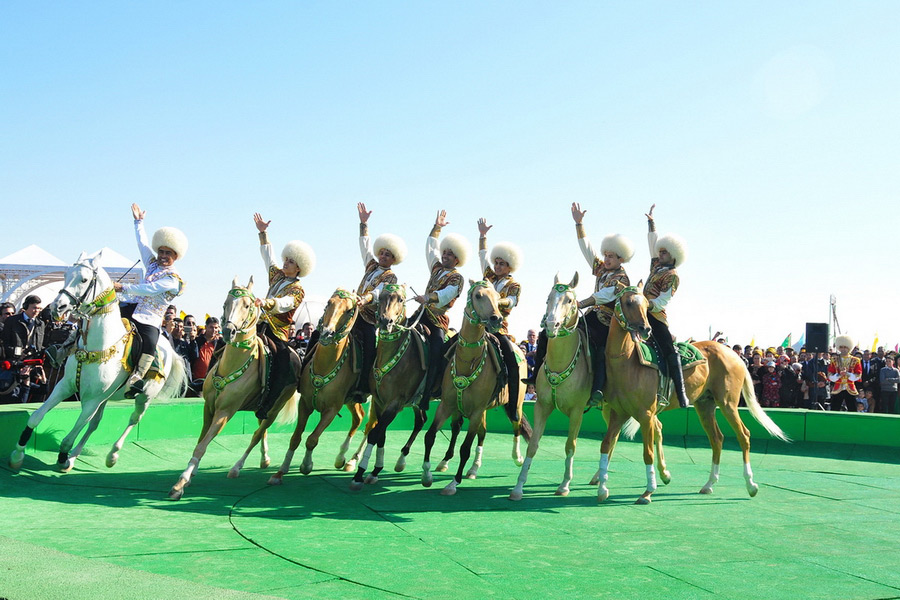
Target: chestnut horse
column 235, row 383
column 470, row 386
column 326, row 382
column 631, row 391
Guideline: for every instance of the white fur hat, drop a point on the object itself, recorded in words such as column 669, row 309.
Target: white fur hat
column 675, row 245
column 844, row 340
column 458, row 245
column 619, row 244
column 392, row 244
column 508, row 252
column 302, row 254
column 170, row 237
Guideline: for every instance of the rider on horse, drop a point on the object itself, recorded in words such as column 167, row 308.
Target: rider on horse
column 389, row 250
column 668, row 253
column 506, row 258
column 152, row 296
column 444, row 287
column 284, row 296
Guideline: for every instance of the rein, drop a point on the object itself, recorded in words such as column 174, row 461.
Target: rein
column 320, row 381
column 249, row 344
column 556, row 379
column 620, row 316
column 564, row 331
column 462, row 382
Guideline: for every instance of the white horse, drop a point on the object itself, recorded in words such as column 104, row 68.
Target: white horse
column 94, row 370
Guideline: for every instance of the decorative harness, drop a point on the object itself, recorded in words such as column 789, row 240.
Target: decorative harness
column 462, row 382
column 555, row 379
column 620, row 316
column 219, row 382
column 320, row 381
column 379, row 372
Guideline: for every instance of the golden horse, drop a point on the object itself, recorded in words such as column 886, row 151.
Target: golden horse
column 470, row 384
column 235, row 382
column 326, row 383
column 631, row 391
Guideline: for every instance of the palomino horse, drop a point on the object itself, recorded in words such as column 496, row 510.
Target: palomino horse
column 235, row 382
column 326, row 383
column 94, row 370
column 631, row 391
column 470, row 384
column 564, row 382
column 397, row 381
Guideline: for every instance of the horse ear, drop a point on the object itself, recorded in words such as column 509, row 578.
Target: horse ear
column 640, row 287
column 234, row 282
column 574, row 280
column 556, row 278
column 250, row 284
column 81, row 256
column 97, row 257
column 471, row 282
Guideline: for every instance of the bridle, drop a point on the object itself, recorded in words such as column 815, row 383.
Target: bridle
column 249, row 321
column 102, row 300
column 620, row 316
column 562, row 288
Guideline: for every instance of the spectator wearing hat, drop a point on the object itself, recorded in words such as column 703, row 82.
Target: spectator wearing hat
column 771, row 386
column 844, row 371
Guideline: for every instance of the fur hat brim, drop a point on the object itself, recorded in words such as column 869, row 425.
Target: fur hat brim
column 676, row 247
column 170, row 237
column 302, row 254
column 509, row 252
column 392, row 244
column 844, row 340
column 458, row 245
column 620, row 245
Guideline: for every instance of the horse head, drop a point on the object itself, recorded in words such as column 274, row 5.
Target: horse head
column 631, row 311
column 391, row 309
column 562, row 308
column 84, row 284
column 239, row 313
column 339, row 317
column 483, row 306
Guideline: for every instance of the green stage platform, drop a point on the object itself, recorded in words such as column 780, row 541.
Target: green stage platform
column 824, row 525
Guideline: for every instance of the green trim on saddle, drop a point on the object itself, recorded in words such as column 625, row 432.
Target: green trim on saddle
column 690, row 355
column 132, row 352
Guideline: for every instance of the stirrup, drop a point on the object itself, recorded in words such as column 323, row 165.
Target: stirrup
column 596, row 398
column 136, row 388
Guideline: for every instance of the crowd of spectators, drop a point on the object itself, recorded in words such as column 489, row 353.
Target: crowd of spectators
column 782, row 376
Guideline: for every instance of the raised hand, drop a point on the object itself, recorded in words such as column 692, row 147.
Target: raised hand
column 577, row 213
column 137, row 213
column 363, row 214
column 649, row 215
column 441, row 219
column 483, row 227
column 261, row 225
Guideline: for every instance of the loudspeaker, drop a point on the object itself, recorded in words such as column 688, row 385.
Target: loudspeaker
column 817, row 337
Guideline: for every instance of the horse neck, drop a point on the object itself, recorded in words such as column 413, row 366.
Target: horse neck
column 326, row 356
column 619, row 345
column 102, row 330
column 561, row 349
column 470, row 333
column 233, row 356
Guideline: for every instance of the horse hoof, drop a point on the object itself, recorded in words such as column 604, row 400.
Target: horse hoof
column 371, row 479
column 442, row 466
column 752, row 489
column 16, row 459
column 306, row 469
column 706, row 490
column 643, row 500
column 427, row 479
column 339, row 463
column 515, row 496
column 602, row 494
column 111, row 459
column 666, row 477
column 275, row 479
column 401, row 464
column 594, row 481
column 234, row 473
column 176, row 494
column 562, row 492
column 264, row 463
column 65, row 467
column 356, row 485
column 449, row 490
column 350, row 466
column 472, row 475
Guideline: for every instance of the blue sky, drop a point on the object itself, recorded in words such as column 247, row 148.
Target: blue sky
column 766, row 134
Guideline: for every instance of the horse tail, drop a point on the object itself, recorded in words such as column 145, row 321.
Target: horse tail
column 288, row 412
column 630, row 428
column 176, row 381
column 756, row 410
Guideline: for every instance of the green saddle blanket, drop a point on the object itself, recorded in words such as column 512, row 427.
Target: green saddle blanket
column 690, row 355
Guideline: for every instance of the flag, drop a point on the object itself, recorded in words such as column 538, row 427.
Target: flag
column 800, row 342
column 787, row 341
column 875, row 343
column 182, row 315
column 753, row 342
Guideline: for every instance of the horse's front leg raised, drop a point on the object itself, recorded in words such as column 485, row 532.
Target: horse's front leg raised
column 540, row 421
column 465, row 449
column 63, row 390
column 88, row 410
column 218, row 422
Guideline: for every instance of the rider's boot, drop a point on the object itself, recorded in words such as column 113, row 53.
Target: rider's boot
column 136, row 382
column 598, row 360
column 674, row 363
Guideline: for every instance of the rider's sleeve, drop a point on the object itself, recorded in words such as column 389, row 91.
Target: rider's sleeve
column 658, row 304
column 605, row 295
column 432, row 247
column 282, row 305
column 446, row 294
column 268, row 256
column 365, row 249
column 587, row 250
column 482, row 256
column 160, row 286
column 651, row 240
column 143, row 243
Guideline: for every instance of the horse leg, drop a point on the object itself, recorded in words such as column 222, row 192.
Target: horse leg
column 614, row 425
column 258, row 436
column 540, row 421
column 441, row 415
column 575, row 419
column 302, row 417
column 472, row 473
column 264, row 460
column 140, row 407
column 373, row 436
column 351, row 464
column 648, row 433
column 706, row 412
column 91, row 428
column 465, row 449
column 417, row 427
column 455, row 428
column 217, row 424
column 312, row 441
column 87, row 413
column 730, row 412
column 664, row 474
column 379, row 464
column 63, row 390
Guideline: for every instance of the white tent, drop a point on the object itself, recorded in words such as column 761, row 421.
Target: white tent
column 32, row 267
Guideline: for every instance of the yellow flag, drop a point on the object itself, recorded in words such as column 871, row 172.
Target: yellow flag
column 875, row 343
column 206, row 318
column 182, row 315
column 753, row 341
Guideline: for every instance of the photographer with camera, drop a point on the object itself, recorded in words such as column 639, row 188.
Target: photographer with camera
column 23, row 345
